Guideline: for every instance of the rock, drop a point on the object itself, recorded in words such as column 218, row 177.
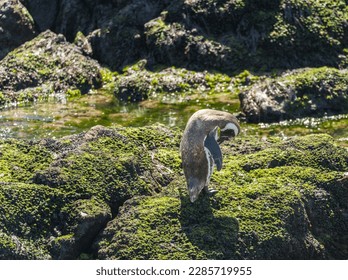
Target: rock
column 138, row 84
column 56, row 195
column 16, row 26
column 103, row 163
column 120, row 193
column 31, row 215
column 43, row 12
column 200, row 35
column 280, row 202
column 45, row 67
column 173, row 44
column 301, row 93
column 229, row 35
column 118, row 39
column 88, row 217
column 82, row 42
column 65, row 17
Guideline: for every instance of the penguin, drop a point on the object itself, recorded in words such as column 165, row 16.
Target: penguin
column 200, row 150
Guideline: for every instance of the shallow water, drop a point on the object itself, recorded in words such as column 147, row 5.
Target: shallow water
column 52, row 119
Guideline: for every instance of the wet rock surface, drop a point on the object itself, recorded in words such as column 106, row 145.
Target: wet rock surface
column 120, row 194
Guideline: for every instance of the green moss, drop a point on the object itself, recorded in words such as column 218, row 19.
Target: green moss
column 64, row 238
column 321, row 19
column 37, row 64
column 79, row 36
column 169, row 158
column 19, row 161
column 157, row 27
column 6, row 243
column 16, row 248
column 138, row 84
column 154, row 136
column 244, row 78
column 107, row 76
column 159, row 234
column 31, row 211
column 73, row 93
column 276, row 198
column 111, row 168
column 258, row 212
column 2, row 98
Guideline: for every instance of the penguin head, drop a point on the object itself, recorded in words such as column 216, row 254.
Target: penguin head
column 230, row 130
column 194, row 188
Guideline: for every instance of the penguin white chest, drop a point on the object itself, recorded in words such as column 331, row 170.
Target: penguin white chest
column 210, row 166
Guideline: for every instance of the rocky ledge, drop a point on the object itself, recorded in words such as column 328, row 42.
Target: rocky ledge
column 119, row 193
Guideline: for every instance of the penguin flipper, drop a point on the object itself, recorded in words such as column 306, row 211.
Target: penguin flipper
column 214, row 149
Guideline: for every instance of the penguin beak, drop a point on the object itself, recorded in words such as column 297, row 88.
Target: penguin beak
column 223, row 138
column 226, row 135
column 193, row 198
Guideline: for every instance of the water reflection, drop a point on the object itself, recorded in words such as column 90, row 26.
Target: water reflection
column 54, row 119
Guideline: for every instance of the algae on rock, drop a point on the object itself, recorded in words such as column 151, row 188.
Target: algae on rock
column 46, row 67
column 56, row 195
column 16, row 26
column 301, row 93
column 138, row 84
column 278, row 203
column 223, row 35
column 119, row 193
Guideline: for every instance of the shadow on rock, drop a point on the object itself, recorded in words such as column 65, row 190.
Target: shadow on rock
column 215, row 234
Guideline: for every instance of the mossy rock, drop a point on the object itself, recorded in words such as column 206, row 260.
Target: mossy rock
column 310, row 92
column 14, row 248
column 217, row 34
column 230, row 35
column 20, row 160
column 56, row 195
column 17, row 26
column 277, row 200
column 30, row 215
column 113, row 165
column 46, row 67
column 84, row 219
column 138, row 84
